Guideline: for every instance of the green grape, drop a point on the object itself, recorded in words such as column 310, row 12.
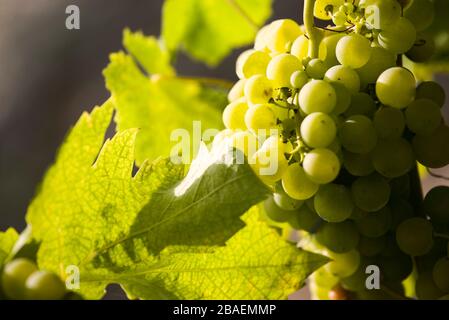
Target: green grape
column 381, row 14
column 357, row 214
column 300, row 48
column 296, row 183
column 318, row 130
column 333, row 203
column 237, row 91
column 421, row 13
column 357, row 164
column 423, row 49
column 281, row 68
column 399, row 37
column 400, row 186
column 262, row 37
column 375, row 224
column 343, row 98
column 431, row 90
column 281, row 34
column 353, row 51
column 425, row 148
column 357, row 134
column 317, row 96
column 299, row 79
column 395, row 87
column 14, row 276
column 260, row 118
column 330, row 44
column 234, row 115
column 441, row 274
column 275, row 213
column 436, row 205
column 370, row 247
column 244, row 141
column 323, row 8
column 310, row 204
column 415, row 236
column 316, row 69
column 361, row 104
column 343, row 265
column 425, row 287
column 423, row 117
column 389, row 123
column 251, row 63
column 396, row 268
column 370, row 193
column 285, row 202
column 393, row 158
column 401, row 210
column 379, row 61
column 269, row 161
column 339, row 18
column 305, row 219
column 344, row 75
column 44, row 285
column 338, row 237
column 324, row 279
column 258, row 89
column 321, row 165
column 428, row 261
column 357, row 280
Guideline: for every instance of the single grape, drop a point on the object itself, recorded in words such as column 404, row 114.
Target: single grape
column 299, row 79
column 356, row 281
column 324, row 279
column 441, row 274
column 237, row 91
column 333, row 203
column 395, row 87
column 370, row 193
column 431, row 90
column 305, row 219
column 399, row 37
column 330, row 44
column 258, row 89
column 421, row 13
column 262, row 37
column 343, row 98
column 358, row 164
column 14, row 276
column 344, row 75
column 251, row 63
column 361, row 104
column 296, row 183
column 317, row 96
column 370, row 247
column 415, row 236
column 358, row 135
column 285, row 202
column 281, row 68
column 423, row 49
column 244, row 141
column 269, row 161
column 375, row 224
column 379, row 61
column 318, row 130
column 260, row 119
column 425, row 287
column 316, row 69
column 425, row 148
column 389, row 123
column 423, row 117
column 44, row 285
column 436, row 205
column 323, row 8
column 343, row 265
column 300, row 48
column 234, row 115
column 276, row 214
column 393, row 158
column 381, row 14
column 353, row 51
column 321, row 165
column 281, row 35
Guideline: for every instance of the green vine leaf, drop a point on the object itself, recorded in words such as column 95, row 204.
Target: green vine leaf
column 93, row 213
column 7, row 241
column 161, row 104
column 210, row 30
column 255, row 264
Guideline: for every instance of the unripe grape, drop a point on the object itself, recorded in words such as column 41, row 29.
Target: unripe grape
column 261, row 41
column 389, row 123
column 431, row 90
column 269, row 161
column 306, row 219
column 424, row 148
column 323, row 8
column 358, row 164
column 415, row 236
column 381, row 13
column 252, row 62
column 396, row 87
column 361, row 104
column 423, row 49
column 343, row 98
column 436, row 205
column 379, row 61
column 353, row 51
column 300, row 48
column 234, row 115
column 299, row 79
column 281, row 34
column 329, row 45
column 321, row 165
column 44, row 285
column 375, row 224
column 441, row 274
column 260, row 119
column 423, row 117
column 275, row 213
column 296, row 183
column 399, row 37
column 421, row 13
column 344, row 75
column 393, row 158
column 317, row 96
column 333, row 203
column 318, row 130
column 316, row 69
column 370, row 193
column 285, row 202
column 14, row 276
column 344, row 264
column 237, row 91
column 426, row 288
column 281, row 68
column 258, row 89
column 358, row 135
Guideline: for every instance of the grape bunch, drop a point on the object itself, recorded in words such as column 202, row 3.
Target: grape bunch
column 22, row 280
column 336, row 133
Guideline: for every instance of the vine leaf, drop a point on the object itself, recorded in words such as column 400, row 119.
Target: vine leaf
column 7, row 240
column 91, row 212
column 162, row 106
column 255, row 264
column 210, row 30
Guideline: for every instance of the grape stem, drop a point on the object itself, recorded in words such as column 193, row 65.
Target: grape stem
column 311, row 31
column 244, row 14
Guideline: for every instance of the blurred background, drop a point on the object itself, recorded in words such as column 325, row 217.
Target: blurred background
column 49, row 75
